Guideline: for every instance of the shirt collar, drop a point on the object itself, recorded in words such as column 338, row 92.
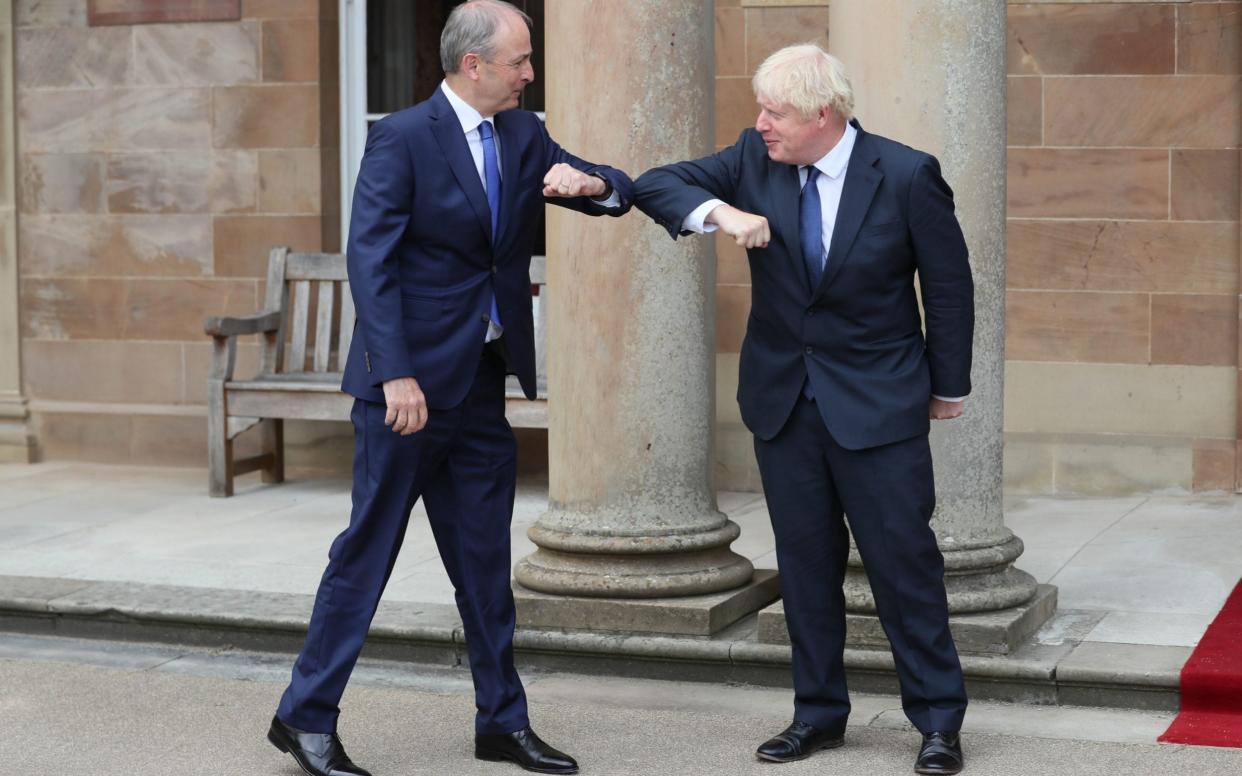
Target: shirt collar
column 834, row 162
column 469, row 117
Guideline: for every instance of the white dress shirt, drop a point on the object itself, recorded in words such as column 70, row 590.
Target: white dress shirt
column 831, row 182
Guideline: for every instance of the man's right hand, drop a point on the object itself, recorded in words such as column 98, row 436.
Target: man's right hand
column 747, row 229
column 407, row 408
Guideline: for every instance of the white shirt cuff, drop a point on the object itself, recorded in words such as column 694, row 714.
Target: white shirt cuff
column 614, row 200
column 695, row 221
column 949, row 398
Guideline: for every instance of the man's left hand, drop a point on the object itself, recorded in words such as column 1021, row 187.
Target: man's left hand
column 565, row 181
column 945, row 410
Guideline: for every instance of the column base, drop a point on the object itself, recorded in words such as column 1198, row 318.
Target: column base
column 619, row 565
column 697, row 615
column 16, row 442
column 968, row 593
column 987, row 633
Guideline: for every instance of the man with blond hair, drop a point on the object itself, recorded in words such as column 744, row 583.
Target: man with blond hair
column 838, row 381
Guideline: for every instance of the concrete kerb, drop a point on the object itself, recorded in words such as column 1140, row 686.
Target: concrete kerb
column 1088, row 674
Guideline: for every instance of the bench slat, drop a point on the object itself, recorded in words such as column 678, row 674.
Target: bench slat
column 315, row 266
column 323, row 325
column 298, row 323
column 292, row 404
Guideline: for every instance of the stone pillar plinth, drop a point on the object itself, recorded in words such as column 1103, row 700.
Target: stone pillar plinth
column 931, row 74
column 631, row 358
column 16, row 443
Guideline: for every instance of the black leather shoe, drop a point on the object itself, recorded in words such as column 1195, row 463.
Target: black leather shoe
column 318, row 754
column 941, row 753
column 524, row 748
column 798, row 742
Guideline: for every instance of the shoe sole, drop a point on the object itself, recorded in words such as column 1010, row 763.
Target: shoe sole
column 496, row 757
column 834, row 744
column 937, row 771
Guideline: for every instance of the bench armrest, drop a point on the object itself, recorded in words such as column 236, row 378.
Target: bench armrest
column 226, row 326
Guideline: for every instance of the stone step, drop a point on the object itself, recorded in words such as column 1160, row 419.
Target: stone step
column 1055, row 667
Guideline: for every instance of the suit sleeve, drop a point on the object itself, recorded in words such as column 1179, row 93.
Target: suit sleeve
column 382, row 208
column 670, row 193
column 944, row 279
column 620, row 182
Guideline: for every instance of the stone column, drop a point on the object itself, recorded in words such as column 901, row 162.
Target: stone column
column 16, row 443
column 931, row 73
column 631, row 394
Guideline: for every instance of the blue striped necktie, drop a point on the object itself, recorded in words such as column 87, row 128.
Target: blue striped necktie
column 811, row 236
column 811, row 229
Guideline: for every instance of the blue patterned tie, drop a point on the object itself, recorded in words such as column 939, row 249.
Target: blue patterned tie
column 491, row 174
column 811, row 237
column 811, row 229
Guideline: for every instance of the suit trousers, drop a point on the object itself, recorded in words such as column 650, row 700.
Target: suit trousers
column 463, row 465
column 887, row 494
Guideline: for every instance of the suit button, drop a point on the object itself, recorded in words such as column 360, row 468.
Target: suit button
column 494, row 269
column 810, row 311
column 809, row 350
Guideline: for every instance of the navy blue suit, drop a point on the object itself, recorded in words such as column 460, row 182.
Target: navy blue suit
column 423, row 266
column 860, row 448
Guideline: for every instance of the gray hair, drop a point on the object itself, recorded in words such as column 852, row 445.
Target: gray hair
column 471, row 27
column 807, row 78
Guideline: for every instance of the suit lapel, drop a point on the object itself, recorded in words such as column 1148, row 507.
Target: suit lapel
column 862, row 178
column 784, row 196
column 510, row 151
column 447, row 130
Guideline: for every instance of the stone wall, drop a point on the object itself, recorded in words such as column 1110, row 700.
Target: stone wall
column 157, row 164
column 1122, row 339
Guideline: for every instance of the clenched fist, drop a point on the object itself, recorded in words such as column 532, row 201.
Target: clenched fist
column 747, row 229
column 565, row 181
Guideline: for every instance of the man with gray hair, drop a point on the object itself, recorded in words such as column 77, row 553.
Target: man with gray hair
column 838, row 381
column 445, row 214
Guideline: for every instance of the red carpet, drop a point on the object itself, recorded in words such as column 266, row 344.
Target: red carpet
column 1211, row 712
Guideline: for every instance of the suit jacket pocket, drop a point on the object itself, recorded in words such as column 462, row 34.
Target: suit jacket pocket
column 421, row 308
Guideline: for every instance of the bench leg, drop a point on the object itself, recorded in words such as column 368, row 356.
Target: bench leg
column 273, row 439
column 219, row 446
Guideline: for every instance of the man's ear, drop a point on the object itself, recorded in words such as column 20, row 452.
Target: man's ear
column 470, row 65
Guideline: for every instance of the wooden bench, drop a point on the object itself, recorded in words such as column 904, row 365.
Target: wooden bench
column 303, row 354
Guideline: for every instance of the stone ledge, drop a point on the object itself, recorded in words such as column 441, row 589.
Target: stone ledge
column 700, row 616
column 1091, row 673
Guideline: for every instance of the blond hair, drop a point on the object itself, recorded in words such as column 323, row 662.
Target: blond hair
column 807, row 78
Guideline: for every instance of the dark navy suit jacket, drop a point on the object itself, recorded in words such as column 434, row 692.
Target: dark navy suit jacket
column 858, row 334
column 421, row 259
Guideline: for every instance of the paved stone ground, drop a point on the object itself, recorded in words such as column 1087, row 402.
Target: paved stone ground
column 70, row 708
column 1150, row 570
